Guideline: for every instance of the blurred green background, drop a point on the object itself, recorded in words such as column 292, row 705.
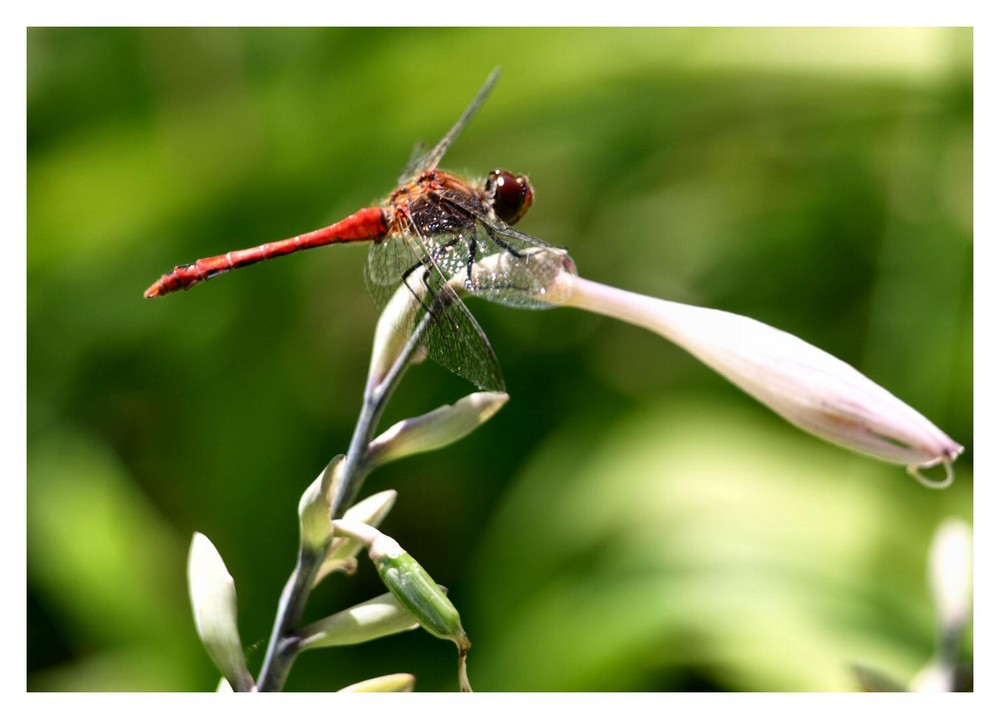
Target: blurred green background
column 629, row 521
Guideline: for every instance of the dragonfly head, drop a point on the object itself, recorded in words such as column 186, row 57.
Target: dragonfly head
column 510, row 195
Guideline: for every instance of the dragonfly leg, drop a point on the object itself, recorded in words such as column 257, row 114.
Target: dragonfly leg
column 469, row 261
column 426, row 261
column 502, row 243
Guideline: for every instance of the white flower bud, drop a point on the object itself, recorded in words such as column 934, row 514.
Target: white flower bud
column 394, row 325
column 949, row 574
column 936, row 677
column 435, row 429
column 213, row 600
column 388, row 683
column 810, row 388
column 536, row 275
column 378, row 617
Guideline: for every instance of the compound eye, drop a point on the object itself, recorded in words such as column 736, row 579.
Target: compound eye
column 512, row 196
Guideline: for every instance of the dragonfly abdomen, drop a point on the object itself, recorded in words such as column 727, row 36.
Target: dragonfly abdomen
column 366, row 224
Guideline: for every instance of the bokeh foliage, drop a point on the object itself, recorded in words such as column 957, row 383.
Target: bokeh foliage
column 629, row 521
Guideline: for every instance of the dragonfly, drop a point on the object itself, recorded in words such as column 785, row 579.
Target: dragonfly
column 430, row 234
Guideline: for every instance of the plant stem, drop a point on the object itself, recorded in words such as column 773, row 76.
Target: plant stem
column 355, row 468
column 280, row 652
column 282, row 649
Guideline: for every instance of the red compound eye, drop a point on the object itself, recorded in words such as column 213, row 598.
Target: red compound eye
column 512, row 196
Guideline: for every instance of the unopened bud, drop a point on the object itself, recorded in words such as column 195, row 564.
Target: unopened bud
column 379, row 617
column 213, row 601
column 949, row 574
column 388, row 683
column 414, row 588
column 314, row 508
column 435, row 429
column 343, row 549
column 810, row 388
column 535, row 273
column 394, row 324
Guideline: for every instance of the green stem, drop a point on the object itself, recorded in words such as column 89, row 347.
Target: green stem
column 282, row 648
column 281, row 652
column 355, row 468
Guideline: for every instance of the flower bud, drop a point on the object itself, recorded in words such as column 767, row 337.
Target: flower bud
column 213, row 601
column 388, row 683
column 314, row 508
column 537, row 274
column 414, row 588
column 411, row 584
column 810, row 388
column 435, row 429
column 394, row 324
column 343, row 549
column 376, row 618
column 949, row 574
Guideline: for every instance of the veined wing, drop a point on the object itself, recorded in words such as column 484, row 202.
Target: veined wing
column 431, row 159
column 453, row 338
column 512, row 268
column 493, row 260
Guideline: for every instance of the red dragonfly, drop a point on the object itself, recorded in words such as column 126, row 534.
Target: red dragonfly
column 433, row 227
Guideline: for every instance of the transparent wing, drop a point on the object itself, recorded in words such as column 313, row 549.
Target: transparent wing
column 457, row 342
column 454, row 339
column 413, row 164
column 497, row 262
column 390, row 262
column 512, row 268
column 430, row 161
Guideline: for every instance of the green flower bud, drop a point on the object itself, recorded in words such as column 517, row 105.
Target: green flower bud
column 343, row 549
column 315, row 531
column 413, row 587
